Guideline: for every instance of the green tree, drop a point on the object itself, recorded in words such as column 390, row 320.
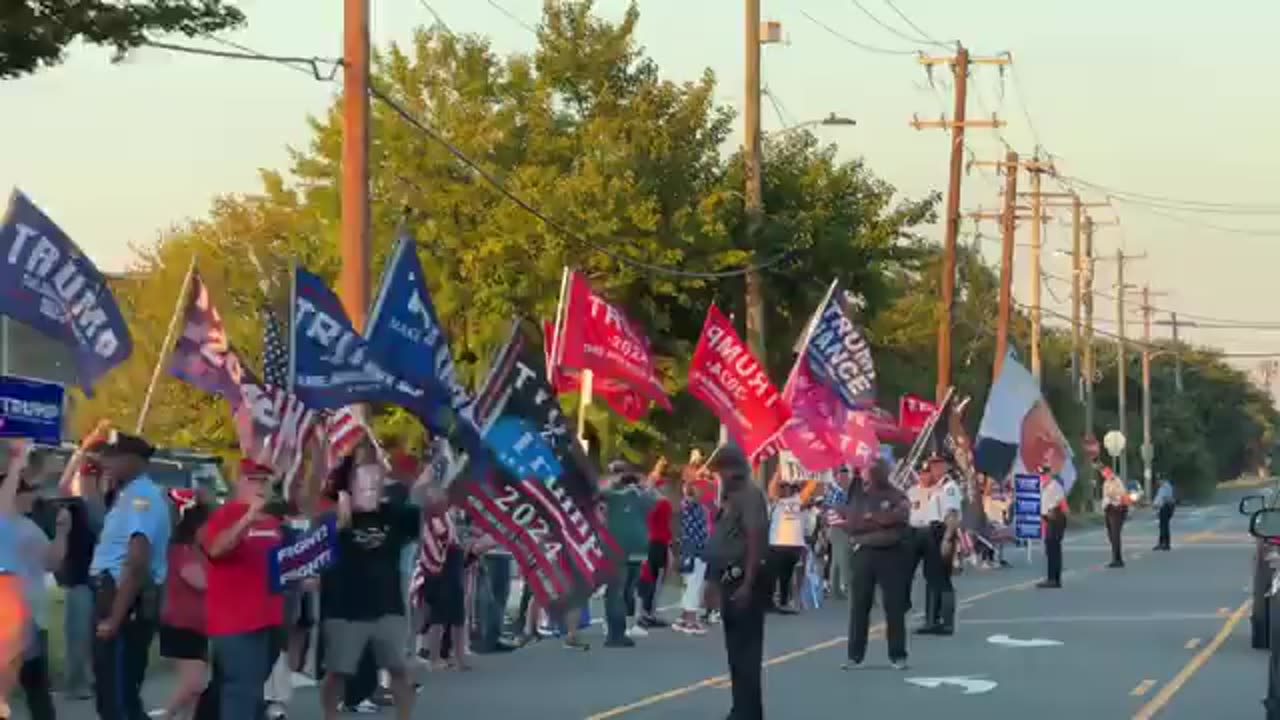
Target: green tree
column 36, row 33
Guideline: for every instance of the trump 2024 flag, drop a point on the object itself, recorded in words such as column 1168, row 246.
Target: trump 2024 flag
column 1018, row 432
column 730, row 381
column 46, row 282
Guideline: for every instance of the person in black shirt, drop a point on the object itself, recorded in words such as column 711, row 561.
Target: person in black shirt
column 362, row 591
column 735, row 574
column 877, row 521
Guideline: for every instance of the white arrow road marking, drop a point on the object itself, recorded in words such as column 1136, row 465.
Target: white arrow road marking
column 1007, row 641
column 971, row 685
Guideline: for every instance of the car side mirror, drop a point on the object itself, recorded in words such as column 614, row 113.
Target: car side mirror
column 1265, row 524
column 1250, row 504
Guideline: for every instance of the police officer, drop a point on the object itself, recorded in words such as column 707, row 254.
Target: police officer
column 736, row 576
column 1115, row 509
column 126, row 573
column 943, row 513
column 1053, row 510
column 877, row 521
column 919, row 538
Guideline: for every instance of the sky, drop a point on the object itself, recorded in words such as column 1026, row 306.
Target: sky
column 1161, row 99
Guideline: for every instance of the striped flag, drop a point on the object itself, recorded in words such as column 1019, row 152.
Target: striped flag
column 343, row 430
column 281, row 446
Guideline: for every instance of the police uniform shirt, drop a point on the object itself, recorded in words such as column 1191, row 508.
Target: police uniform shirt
column 1113, row 492
column 743, row 512
column 140, row 509
column 875, row 500
column 1051, row 497
column 923, row 508
column 947, row 499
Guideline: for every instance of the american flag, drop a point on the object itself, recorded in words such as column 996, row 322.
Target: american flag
column 343, row 430
column 280, row 446
column 275, row 354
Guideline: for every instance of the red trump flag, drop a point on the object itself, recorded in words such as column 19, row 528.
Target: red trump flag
column 595, row 335
column 729, row 380
column 624, row 400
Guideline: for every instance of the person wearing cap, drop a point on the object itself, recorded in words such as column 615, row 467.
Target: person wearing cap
column 944, row 506
column 1053, row 513
column 128, row 568
column 627, row 506
column 1115, row 509
column 737, row 579
column 877, row 520
column 920, row 535
column 837, row 495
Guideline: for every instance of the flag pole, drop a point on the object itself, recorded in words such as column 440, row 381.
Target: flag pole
column 166, row 348
column 557, row 348
column 293, row 318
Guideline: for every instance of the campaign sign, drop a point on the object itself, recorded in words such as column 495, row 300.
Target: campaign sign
column 306, row 556
column 31, row 409
column 1026, row 508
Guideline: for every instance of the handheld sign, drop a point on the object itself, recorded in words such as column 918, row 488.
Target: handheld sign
column 31, row 409
column 1026, row 507
column 305, row 557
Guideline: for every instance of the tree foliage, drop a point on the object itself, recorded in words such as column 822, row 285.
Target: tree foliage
column 36, row 33
column 622, row 163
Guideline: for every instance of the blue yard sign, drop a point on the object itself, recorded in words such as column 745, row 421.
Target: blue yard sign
column 31, row 409
column 305, row 556
column 1026, row 507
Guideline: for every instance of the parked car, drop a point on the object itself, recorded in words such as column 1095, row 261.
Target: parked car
column 1260, row 618
column 1264, row 524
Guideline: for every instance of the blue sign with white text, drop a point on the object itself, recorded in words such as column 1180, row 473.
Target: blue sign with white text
column 305, row 556
column 31, row 409
column 47, row 283
column 1026, row 507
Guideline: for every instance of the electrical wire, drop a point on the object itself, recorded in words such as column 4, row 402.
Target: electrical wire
column 903, row 16
column 511, row 16
column 439, row 20
column 854, row 43
column 1022, row 103
column 1243, row 208
column 892, row 30
column 246, row 53
column 310, row 65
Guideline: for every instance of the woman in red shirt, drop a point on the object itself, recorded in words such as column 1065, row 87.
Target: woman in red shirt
column 182, row 626
column 241, row 611
column 660, row 534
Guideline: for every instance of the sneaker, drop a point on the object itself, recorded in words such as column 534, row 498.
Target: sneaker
column 1048, row 585
column 713, row 617
column 651, row 622
column 697, row 629
column 636, row 631
column 851, row 665
column 276, row 711
column 577, row 644
column 622, row 642
column 898, row 664
column 688, row 628
column 364, row 708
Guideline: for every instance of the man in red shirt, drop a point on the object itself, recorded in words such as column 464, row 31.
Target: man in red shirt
column 658, row 523
column 242, row 612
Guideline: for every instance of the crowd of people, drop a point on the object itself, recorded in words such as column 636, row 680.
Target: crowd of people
column 414, row 586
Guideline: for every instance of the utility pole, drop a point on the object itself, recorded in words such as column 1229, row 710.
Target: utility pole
column 959, row 63
column 353, row 280
column 1008, row 229
column 1036, row 168
column 1121, row 360
column 753, row 194
column 1086, row 283
column 1148, row 450
column 1177, row 355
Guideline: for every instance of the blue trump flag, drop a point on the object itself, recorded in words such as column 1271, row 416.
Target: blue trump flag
column 405, row 331
column 333, row 365
column 838, row 354
column 46, row 282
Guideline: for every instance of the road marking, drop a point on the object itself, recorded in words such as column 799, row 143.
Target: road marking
column 721, row 680
column 1224, row 611
column 1192, row 644
column 1143, row 688
column 1162, row 698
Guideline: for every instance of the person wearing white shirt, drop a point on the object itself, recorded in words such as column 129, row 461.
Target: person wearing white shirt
column 942, row 511
column 786, row 542
column 1053, row 511
column 922, row 517
column 1115, row 508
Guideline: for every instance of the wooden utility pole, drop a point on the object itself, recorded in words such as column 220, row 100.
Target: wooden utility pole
column 353, row 281
column 1036, row 168
column 753, row 193
column 1086, row 282
column 959, row 63
column 1148, row 449
column 1122, row 365
column 1077, row 213
column 1008, row 230
column 1177, row 355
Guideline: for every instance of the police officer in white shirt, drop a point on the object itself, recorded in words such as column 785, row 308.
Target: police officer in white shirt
column 1053, row 510
column 919, row 495
column 943, row 513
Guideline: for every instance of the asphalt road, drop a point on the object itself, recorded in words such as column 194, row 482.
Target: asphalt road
column 1165, row 637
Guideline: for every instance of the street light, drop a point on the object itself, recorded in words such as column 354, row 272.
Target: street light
column 831, row 120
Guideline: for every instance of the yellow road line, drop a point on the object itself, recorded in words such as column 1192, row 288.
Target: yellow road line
column 1143, row 688
column 721, row 680
column 1192, row 644
column 1224, row 611
column 1162, row 698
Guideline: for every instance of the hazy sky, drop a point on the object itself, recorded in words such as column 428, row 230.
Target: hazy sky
column 1166, row 99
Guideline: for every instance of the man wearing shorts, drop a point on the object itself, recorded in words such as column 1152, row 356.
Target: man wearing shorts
column 362, row 590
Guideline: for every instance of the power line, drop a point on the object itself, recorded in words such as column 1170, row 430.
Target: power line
column 310, row 65
column 1243, row 208
column 439, row 20
column 850, row 41
column 1022, row 103
column 903, row 16
column 246, row 53
column 892, row 30
column 511, row 16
